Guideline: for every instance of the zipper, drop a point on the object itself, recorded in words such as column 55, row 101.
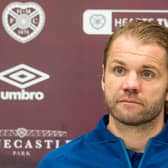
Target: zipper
column 126, row 153
column 144, row 155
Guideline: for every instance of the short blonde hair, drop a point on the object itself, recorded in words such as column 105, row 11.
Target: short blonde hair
column 146, row 32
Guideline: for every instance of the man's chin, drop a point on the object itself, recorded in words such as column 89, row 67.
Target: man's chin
column 130, row 119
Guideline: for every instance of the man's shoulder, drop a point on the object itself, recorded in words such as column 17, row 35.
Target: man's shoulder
column 63, row 154
column 69, row 149
column 79, row 145
column 81, row 150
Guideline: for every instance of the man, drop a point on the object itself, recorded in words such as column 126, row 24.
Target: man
column 135, row 85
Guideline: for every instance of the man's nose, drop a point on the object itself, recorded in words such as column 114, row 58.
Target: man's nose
column 131, row 82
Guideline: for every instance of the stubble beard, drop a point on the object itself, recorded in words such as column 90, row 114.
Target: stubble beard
column 144, row 115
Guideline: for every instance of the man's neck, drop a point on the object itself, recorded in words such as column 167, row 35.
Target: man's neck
column 136, row 137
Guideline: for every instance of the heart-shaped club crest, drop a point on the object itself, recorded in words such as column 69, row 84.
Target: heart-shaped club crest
column 23, row 21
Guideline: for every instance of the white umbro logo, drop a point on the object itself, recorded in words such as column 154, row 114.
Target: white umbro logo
column 23, row 76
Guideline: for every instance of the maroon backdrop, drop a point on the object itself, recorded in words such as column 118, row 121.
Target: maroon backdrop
column 68, row 101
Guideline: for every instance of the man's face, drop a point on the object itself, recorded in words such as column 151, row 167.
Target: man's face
column 135, row 81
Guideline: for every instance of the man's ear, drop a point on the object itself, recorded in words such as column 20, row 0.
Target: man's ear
column 102, row 77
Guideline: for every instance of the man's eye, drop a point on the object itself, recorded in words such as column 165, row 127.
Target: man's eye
column 119, row 70
column 148, row 74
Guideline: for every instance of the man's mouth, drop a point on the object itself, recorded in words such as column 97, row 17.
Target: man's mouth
column 130, row 101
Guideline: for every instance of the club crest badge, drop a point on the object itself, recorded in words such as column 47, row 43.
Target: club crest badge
column 97, row 21
column 23, row 21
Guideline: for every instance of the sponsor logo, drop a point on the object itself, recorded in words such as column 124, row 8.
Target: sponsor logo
column 105, row 21
column 22, row 76
column 23, row 142
column 23, row 21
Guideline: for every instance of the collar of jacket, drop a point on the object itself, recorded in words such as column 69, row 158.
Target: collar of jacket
column 101, row 133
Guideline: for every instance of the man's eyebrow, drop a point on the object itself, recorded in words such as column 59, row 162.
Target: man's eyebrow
column 117, row 61
column 150, row 66
column 147, row 66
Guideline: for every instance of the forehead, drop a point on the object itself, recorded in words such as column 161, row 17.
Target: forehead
column 130, row 49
